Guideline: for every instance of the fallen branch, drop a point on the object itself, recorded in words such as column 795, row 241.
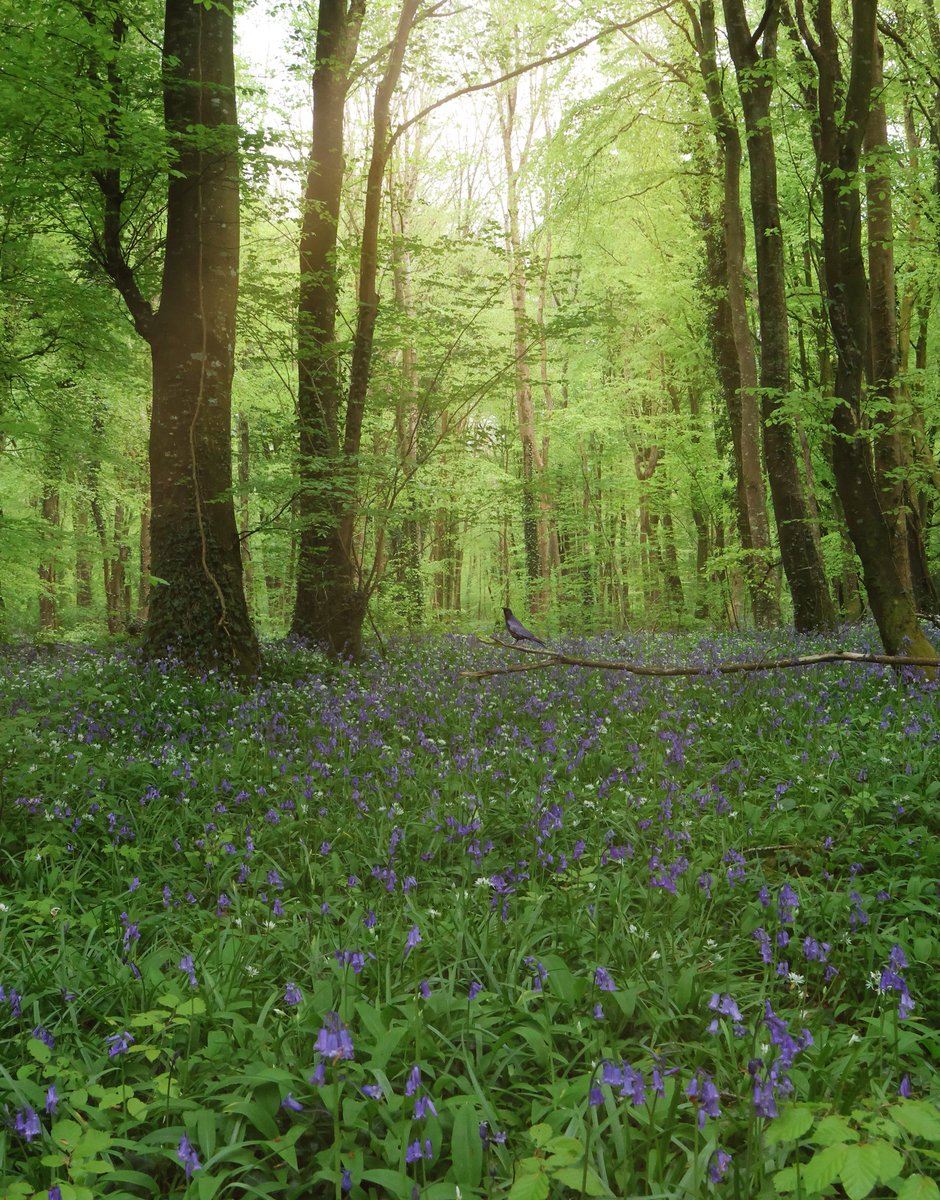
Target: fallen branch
column 554, row 658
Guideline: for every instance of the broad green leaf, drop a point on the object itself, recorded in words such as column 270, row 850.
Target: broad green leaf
column 790, row 1125
column 396, row 1183
column 573, row 1177
column 530, row 1187
column 39, row 1050
column 918, row 1187
column 564, row 1150
column 466, row 1146
column 859, row 1172
column 890, row 1160
column 831, row 1130
column 540, row 1133
column 824, row 1167
column 785, row 1180
column 918, row 1117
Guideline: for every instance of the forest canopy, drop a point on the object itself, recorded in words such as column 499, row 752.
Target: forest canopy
column 325, row 318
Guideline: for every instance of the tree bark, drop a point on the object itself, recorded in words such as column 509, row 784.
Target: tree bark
column 198, row 609
column 799, row 538
column 732, row 340
column 892, row 442
column 324, row 594
column 843, row 114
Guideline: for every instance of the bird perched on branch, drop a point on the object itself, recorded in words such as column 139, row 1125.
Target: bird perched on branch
column 518, row 631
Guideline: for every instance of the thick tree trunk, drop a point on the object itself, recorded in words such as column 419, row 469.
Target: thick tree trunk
column 799, row 538
column 843, row 114
column 244, row 520
column 199, row 609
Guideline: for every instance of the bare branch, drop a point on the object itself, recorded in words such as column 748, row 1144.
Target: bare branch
column 551, row 658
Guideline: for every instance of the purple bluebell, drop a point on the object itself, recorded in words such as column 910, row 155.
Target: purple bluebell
column 188, row 1158
column 718, row 1165
column 26, row 1123
column 118, row 1043
column 292, row 995
column 413, row 938
column 186, row 965
column 334, row 1040
column 603, row 980
column 291, row 1104
column 52, row 1100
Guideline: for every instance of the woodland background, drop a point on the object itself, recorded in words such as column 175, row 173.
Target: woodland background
column 546, row 362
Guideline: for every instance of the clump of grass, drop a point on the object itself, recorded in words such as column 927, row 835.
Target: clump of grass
column 388, row 933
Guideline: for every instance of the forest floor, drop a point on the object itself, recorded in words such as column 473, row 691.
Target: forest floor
column 390, row 932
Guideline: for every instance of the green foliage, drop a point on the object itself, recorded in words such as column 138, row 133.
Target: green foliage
column 531, row 904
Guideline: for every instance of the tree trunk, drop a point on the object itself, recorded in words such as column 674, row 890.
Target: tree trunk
column 143, row 585
column 323, row 596
column 525, row 409
column 48, row 575
column 799, row 538
column 731, row 335
column 244, row 521
column 198, row 609
column 892, row 442
column 843, row 115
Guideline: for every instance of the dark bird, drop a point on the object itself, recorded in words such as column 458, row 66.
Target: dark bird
column 518, row 631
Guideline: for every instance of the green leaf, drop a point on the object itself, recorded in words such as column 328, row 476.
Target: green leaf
column 833, row 1129
column 564, row 1150
column 790, row 1125
column 541, row 1133
column 39, row 1050
column 396, row 1183
column 859, row 1172
column 919, row 1118
column 890, row 1160
column 824, row 1167
column 573, row 1177
column 785, row 1180
column 918, row 1187
column 530, row 1187
column 466, row 1146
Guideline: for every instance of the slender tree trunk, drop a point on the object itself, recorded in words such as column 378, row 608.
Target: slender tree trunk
column 143, row 585
column 525, row 408
column 323, row 579
column 48, row 573
column 731, row 334
column 244, row 517
column 843, row 115
column 892, row 443
column 799, row 538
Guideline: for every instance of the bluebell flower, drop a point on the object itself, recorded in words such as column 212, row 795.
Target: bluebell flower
column 27, row 1123
column 52, row 1100
column 292, row 995
column 334, row 1040
column 118, row 1043
column 186, row 965
column 603, row 980
column 413, row 938
column 904, row 1088
column 718, row 1166
column 474, row 990
column 186, row 1153
column 291, row 1104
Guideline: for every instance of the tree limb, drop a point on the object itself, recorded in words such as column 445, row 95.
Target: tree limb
column 551, row 658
